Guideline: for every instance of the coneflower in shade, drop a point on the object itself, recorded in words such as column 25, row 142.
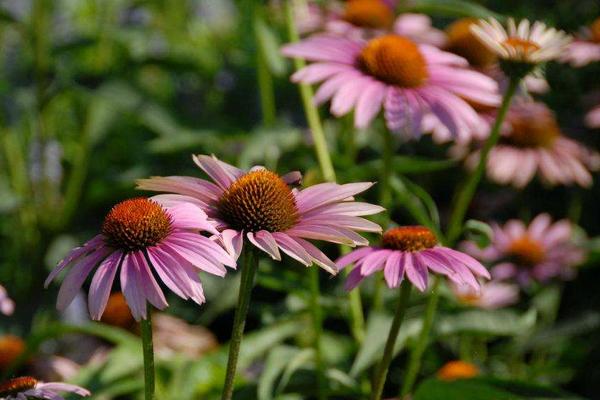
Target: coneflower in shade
column 491, row 296
column 411, row 251
column 406, row 79
column 523, row 47
column 26, row 387
column 262, row 207
column 142, row 238
column 532, row 143
column 7, row 306
column 541, row 251
column 592, row 118
column 586, row 46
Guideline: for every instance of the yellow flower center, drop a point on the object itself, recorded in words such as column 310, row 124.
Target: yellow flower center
column 526, row 251
column 395, row 60
column 524, row 47
column 374, row 14
column 11, row 347
column 457, row 370
column 409, row 238
column 136, row 224
column 117, row 312
column 461, row 41
column 532, row 130
column 595, row 30
column 259, row 200
column 16, row 385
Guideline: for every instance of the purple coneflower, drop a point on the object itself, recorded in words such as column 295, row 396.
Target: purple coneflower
column 261, row 206
column 407, row 79
column 411, row 251
column 25, row 387
column 142, row 237
column 540, row 251
column 491, row 296
column 7, row 306
column 531, row 143
column 585, row 48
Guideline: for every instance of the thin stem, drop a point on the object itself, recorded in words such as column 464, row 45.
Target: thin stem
column 246, row 283
column 414, row 363
column 312, row 114
column 385, row 187
column 148, row 350
column 467, row 191
column 265, row 79
column 317, row 320
column 388, row 352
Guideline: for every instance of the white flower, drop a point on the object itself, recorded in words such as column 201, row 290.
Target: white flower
column 525, row 43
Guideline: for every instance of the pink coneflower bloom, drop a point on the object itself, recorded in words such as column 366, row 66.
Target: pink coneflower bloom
column 592, row 118
column 406, row 79
column 531, row 144
column 540, row 251
column 142, row 237
column 493, row 295
column 7, row 306
column 585, row 48
column 411, row 251
column 259, row 205
column 26, row 387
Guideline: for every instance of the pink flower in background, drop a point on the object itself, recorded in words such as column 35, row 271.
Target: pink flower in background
column 261, row 206
column 418, row 28
column 411, row 251
column 362, row 18
column 493, row 295
column 540, row 251
column 7, row 306
column 592, row 119
column 586, row 48
column 26, row 387
column 531, row 144
column 141, row 237
column 392, row 72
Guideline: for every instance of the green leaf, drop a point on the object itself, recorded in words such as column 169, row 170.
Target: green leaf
column 486, row 389
column 376, row 334
column 488, row 322
column 301, row 359
column 452, row 9
column 275, row 364
column 269, row 45
column 418, row 203
column 479, row 232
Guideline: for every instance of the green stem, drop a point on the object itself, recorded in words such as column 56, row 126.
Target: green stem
column 414, row 363
column 388, row 352
column 328, row 172
column 312, row 114
column 247, row 281
column 317, row 320
column 148, row 350
column 467, row 191
column 385, row 187
column 265, row 80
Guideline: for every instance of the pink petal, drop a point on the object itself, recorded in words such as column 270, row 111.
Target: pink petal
column 264, row 241
column 101, row 285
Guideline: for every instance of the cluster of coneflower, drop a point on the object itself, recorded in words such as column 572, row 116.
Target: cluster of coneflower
column 365, row 62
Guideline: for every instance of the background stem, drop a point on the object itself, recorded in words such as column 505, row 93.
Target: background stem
column 414, row 363
column 388, row 352
column 467, row 191
column 148, row 351
column 317, row 320
column 247, row 281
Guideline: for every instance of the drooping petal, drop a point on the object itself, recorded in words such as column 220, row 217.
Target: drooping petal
column 102, row 283
column 264, row 241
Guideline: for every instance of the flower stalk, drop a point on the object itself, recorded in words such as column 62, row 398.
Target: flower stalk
column 246, row 283
column 388, row 352
column 148, row 351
